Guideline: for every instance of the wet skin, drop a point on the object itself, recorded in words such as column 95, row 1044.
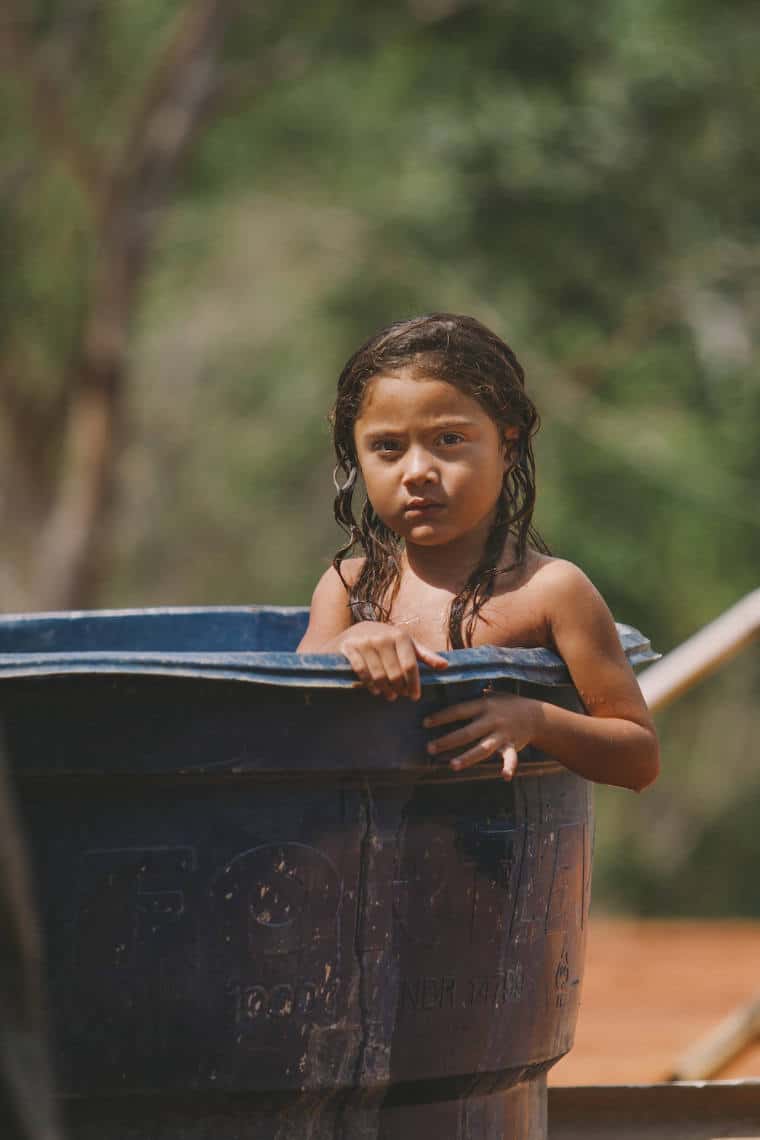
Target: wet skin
column 433, row 462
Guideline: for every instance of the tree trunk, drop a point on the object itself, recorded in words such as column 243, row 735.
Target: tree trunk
column 128, row 200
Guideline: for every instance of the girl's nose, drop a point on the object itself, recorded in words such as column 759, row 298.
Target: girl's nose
column 419, row 467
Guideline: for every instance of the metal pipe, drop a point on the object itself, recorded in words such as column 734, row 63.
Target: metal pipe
column 702, row 653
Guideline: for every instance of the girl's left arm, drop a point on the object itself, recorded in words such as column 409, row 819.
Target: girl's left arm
column 614, row 744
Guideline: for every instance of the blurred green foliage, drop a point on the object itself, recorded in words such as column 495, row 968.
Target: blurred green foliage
column 583, row 177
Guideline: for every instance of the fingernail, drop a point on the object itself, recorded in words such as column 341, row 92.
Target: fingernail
column 427, row 722
column 431, row 748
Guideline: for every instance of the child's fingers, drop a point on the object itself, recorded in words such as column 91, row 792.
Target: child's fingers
column 393, row 672
column 390, row 668
column 408, row 662
column 462, row 711
column 357, row 663
column 368, row 667
column 509, row 756
column 465, row 735
column 379, row 667
column 477, row 754
column 429, row 656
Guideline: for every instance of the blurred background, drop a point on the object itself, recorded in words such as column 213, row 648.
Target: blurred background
column 206, row 206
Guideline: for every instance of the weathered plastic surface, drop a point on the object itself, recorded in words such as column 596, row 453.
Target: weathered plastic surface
column 269, row 913
column 28, row 1110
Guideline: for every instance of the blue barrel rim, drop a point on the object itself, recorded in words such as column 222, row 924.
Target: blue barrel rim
column 267, row 667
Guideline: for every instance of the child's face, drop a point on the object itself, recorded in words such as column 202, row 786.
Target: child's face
column 432, row 459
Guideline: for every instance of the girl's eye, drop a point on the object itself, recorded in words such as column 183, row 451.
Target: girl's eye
column 451, row 437
column 386, row 446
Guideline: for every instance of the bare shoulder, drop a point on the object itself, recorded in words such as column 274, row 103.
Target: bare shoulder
column 329, row 614
column 571, row 601
column 332, row 582
column 352, row 568
column 561, row 580
column 554, row 571
column 584, row 633
column 531, row 599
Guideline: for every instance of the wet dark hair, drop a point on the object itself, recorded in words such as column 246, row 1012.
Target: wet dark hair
column 463, row 352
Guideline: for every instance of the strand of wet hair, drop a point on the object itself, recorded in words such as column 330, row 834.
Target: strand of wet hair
column 480, row 585
column 372, row 594
column 513, row 516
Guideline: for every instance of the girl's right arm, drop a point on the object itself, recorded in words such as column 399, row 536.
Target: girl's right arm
column 329, row 616
column 383, row 656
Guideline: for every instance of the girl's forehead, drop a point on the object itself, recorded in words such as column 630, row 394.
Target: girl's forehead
column 402, row 393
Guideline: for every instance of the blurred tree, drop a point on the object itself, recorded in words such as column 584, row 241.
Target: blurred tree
column 63, row 414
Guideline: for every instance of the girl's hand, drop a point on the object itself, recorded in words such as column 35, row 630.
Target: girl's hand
column 502, row 723
column 385, row 658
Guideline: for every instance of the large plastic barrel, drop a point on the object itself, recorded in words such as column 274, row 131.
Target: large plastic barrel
column 268, row 913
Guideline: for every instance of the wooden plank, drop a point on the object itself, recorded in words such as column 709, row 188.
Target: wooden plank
column 689, row 1111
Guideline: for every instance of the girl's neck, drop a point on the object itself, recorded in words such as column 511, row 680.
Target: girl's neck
column 446, row 567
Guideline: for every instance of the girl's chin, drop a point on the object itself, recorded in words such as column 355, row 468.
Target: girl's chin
column 426, row 534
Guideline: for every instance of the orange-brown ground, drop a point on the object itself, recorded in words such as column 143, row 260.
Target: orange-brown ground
column 650, row 989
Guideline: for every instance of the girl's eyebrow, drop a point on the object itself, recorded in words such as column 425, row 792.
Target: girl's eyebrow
column 432, row 425
column 454, row 421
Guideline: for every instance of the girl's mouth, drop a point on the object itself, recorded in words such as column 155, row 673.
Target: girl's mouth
column 417, row 508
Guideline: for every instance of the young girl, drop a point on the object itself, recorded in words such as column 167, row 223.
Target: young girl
column 432, row 414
